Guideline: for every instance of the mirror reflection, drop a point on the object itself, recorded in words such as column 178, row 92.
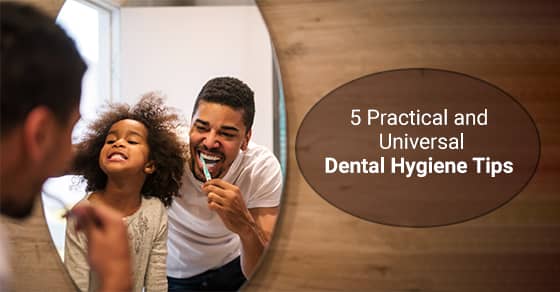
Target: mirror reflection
column 210, row 63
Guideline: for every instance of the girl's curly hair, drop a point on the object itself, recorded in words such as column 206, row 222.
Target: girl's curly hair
column 167, row 150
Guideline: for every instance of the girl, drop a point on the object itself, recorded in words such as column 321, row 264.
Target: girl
column 133, row 161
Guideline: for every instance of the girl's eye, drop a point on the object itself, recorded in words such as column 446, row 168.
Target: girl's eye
column 132, row 142
column 110, row 141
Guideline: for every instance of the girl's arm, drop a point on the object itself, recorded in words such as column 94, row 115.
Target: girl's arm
column 156, row 273
column 75, row 256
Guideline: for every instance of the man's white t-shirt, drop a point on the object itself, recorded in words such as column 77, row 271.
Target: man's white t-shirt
column 198, row 240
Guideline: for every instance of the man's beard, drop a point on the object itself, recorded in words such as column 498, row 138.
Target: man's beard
column 194, row 163
column 200, row 175
column 15, row 208
column 20, row 205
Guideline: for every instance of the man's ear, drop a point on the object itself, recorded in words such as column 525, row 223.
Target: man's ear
column 150, row 167
column 246, row 140
column 39, row 133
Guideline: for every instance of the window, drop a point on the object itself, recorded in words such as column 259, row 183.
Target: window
column 91, row 24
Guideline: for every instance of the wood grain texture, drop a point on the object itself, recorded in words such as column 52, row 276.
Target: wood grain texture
column 323, row 44
column 512, row 44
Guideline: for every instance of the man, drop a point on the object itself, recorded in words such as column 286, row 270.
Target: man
column 41, row 72
column 218, row 229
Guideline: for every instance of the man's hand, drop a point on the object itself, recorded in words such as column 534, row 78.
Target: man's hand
column 226, row 200
column 108, row 251
column 253, row 226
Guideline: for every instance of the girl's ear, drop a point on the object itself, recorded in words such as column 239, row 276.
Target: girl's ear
column 150, row 167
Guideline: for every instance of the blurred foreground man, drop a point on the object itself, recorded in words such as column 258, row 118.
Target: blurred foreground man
column 41, row 74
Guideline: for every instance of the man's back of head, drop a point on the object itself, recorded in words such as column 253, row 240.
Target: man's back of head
column 41, row 72
column 40, row 65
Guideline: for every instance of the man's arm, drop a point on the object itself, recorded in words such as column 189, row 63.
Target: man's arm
column 256, row 238
column 254, row 226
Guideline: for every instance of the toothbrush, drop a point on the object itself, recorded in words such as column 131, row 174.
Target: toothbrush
column 69, row 211
column 205, row 169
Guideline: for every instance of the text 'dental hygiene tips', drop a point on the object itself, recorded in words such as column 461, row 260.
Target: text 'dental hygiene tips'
column 418, row 147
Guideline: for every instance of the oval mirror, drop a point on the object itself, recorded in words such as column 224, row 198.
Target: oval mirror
column 135, row 46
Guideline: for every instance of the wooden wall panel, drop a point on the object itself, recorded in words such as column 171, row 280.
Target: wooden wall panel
column 512, row 44
column 323, row 44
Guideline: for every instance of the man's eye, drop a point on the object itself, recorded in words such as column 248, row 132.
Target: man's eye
column 201, row 128
column 228, row 135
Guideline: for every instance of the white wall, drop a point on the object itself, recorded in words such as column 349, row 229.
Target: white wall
column 175, row 50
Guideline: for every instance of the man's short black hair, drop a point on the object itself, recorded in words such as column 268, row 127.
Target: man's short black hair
column 231, row 92
column 40, row 66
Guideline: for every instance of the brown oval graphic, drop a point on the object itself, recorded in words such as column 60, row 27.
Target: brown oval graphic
column 417, row 147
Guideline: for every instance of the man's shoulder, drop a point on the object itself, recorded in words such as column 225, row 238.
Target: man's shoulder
column 259, row 164
column 260, row 179
column 256, row 154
